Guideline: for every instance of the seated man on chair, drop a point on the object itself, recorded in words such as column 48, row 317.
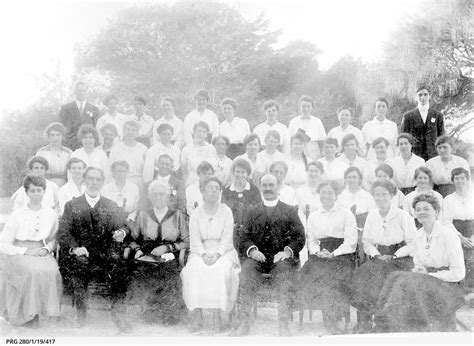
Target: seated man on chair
column 91, row 232
column 270, row 241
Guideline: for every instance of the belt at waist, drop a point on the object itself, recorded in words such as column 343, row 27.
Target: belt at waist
column 435, row 270
column 390, row 249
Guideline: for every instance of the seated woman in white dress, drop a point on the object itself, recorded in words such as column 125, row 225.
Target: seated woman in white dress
column 93, row 156
column 442, row 165
column 297, row 161
column 252, row 147
column 37, row 166
column 109, row 134
column 55, row 153
column 121, row 191
column 196, row 152
column 74, row 187
column 286, row 193
column 424, row 185
column 458, row 213
column 31, row 284
column 307, row 196
column 193, row 191
column 386, row 240
column 350, row 153
column 384, row 171
column 271, row 154
column 234, row 128
column 224, row 163
column 380, row 146
column 211, row 275
column 426, row 299
column 405, row 164
column 333, row 168
column 163, row 146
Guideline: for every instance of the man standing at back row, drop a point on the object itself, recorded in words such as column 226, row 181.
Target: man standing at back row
column 79, row 112
column 425, row 124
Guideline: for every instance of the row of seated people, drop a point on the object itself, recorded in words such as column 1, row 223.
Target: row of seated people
column 402, row 267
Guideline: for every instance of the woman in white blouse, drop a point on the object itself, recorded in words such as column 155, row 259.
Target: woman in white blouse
column 163, row 146
column 93, row 156
column 307, row 196
column 405, row 164
column 333, row 168
column 271, row 154
column 424, row 185
column 38, row 166
column 196, row 152
column 458, row 213
column 387, row 240
column 297, row 161
column 442, row 165
column 427, row 298
column 350, row 153
column 121, row 191
column 252, row 147
column 167, row 105
column 74, row 187
column 384, row 171
column 109, row 134
column 112, row 116
column 331, row 241
column 211, row 275
column 234, row 128
column 271, row 109
column 224, row 163
column 55, row 153
column 380, row 126
column 31, row 283
column 345, row 128
column 380, row 146
column 311, row 125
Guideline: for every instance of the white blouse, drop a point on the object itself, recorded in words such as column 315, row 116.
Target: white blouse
column 67, row 192
column 457, row 207
column 338, row 223
column 397, row 226
column 404, row 173
column 192, row 155
column 178, row 130
column 128, row 194
column 312, row 126
column 386, row 129
column 146, row 125
column 339, row 133
column 442, row 170
column 362, row 199
column 117, row 121
column 268, row 159
column 307, row 196
column 50, row 197
column 193, row 197
column 97, row 158
column 208, row 116
column 296, row 175
column 223, row 170
column 57, row 161
column 441, row 249
column 26, row 224
column 358, row 162
column 335, row 169
column 156, row 151
column 134, row 156
column 235, row 131
column 217, row 228
column 261, row 131
column 286, row 194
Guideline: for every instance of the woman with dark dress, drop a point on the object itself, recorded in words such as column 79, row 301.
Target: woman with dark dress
column 331, row 241
column 386, row 239
column 425, row 299
column 157, row 237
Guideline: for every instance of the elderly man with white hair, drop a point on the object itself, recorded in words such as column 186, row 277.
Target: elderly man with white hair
column 158, row 235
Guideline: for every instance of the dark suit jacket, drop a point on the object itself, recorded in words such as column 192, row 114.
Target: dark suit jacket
column 272, row 234
column 93, row 228
column 70, row 117
column 424, row 133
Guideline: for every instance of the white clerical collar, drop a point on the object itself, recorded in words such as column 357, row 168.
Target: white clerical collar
column 92, row 201
column 268, row 203
column 160, row 213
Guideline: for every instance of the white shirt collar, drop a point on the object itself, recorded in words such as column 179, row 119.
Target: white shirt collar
column 422, row 108
column 92, row 200
column 163, row 179
column 160, row 214
column 267, row 203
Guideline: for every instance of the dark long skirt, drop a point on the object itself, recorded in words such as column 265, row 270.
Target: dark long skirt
column 368, row 280
column 466, row 228
column 414, row 302
column 156, row 289
column 325, row 284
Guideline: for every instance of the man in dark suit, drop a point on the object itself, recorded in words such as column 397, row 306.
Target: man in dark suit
column 79, row 112
column 425, row 124
column 91, row 232
column 270, row 241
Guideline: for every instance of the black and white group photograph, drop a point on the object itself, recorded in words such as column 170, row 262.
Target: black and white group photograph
column 236, row 171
